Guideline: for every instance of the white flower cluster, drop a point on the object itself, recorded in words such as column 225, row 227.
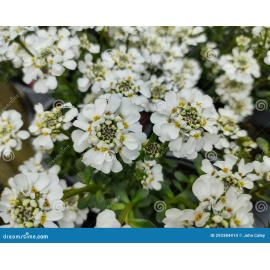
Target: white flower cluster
column 44, row 54
column 47, row 124
column 109, row 127
column 235, row 85
column 150, row 174
column 10, row 134
column 188, row 122
column 34, row 200
column 125, row 71
column 218, row 208
column 34, row 165
column 72, row 214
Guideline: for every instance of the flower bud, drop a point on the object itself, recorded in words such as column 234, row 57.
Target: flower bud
column 33, row 203
column 26, row 202
column 217, row 219
column 224, row 223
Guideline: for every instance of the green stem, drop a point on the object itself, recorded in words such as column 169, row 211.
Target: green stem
column 125, row 213
column 256, row 190
column 73, row 192
column 18, row 40
column 65, row 132
column 177, row 200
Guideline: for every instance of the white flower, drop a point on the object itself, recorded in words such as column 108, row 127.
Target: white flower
column 53, row 51
column 123, row 59
column 207, row 188
column 187, row 120
column 240, row 66
column 107, row 219
column 127, row 84
column 243, row 107
column 176, row 218
column 93, row 74
column 85, row 44
column 32, row 201
column 208, row 168
column 150, row 173
column 236, row 208
column 261, row 169
column 72, row 214
column 110, row 126
column 231, row 89
column 183, row 74
column 201, row 216
column 10, row 133
column 226, row 165
column 46, row 125
column 243, row 170
column 33, row 165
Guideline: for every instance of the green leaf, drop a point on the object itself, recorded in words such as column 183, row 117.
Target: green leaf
column 198, row 164
column 181, row 177
column 80, row 177
column 263, row 94
column 264, row 198
column 160, row 216
column 166, row 190
column 121, row 194
column 88, row 173
column 116, row 206
column 84, row 201
column 263, row 144
column 144, row 203
column 140, row 195
column 140, row 223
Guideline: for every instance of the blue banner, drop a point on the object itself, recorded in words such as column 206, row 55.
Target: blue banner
column 134, row 236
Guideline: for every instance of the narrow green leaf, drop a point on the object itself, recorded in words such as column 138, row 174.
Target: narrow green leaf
column 181, row 177
column 140, row 223
column 198, row 164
